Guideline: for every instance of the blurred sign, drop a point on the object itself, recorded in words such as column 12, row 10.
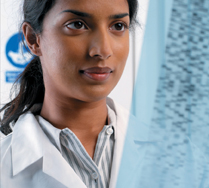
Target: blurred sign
column 17, row 54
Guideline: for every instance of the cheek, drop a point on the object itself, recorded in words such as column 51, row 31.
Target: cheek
column 63, row 54
column 122, row 47
column 122, row 54
column 58, row 45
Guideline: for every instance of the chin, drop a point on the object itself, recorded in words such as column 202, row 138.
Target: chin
column 93, row 96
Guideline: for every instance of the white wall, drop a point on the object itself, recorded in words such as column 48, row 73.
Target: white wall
column 10, row 23
column 10, row 19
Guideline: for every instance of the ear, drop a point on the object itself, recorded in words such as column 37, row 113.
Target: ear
column 32, row 39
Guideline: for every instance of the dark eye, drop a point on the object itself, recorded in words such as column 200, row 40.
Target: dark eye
column 76, row 25
column 119, row 27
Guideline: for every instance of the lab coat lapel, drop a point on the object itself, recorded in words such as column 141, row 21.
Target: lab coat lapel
column 56, row 166
column 131, row 137
column 29, row 140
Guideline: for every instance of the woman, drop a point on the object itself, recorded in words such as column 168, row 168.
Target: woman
column 67, row 133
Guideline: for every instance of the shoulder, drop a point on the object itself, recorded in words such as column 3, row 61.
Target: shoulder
column 5, row 144
column 5, row 158
column 2, row 135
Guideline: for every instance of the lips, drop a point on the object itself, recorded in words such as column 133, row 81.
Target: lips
column 97, row 73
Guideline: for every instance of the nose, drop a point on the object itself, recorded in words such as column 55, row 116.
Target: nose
column 101, row 45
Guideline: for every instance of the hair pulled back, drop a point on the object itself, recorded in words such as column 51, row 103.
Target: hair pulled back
column 29, row 86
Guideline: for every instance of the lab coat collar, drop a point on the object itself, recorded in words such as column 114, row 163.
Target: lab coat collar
column 26, row 145
column 30, row 141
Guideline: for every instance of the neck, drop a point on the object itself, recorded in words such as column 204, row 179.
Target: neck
column 85, row 119
column 74, row 114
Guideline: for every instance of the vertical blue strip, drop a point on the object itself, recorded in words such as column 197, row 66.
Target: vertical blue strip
column 152, row 56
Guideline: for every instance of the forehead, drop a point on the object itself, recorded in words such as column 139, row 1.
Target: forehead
column 99, row 8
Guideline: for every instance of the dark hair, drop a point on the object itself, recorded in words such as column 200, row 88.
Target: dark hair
column 29, row 85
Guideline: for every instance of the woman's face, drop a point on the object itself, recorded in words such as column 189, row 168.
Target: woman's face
column 84, row 47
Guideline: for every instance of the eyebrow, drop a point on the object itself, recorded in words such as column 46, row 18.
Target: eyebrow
column 78, row 13
column 84, row 14
column 119, row 16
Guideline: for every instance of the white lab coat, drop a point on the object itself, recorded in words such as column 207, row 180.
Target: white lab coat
column 30, row 160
